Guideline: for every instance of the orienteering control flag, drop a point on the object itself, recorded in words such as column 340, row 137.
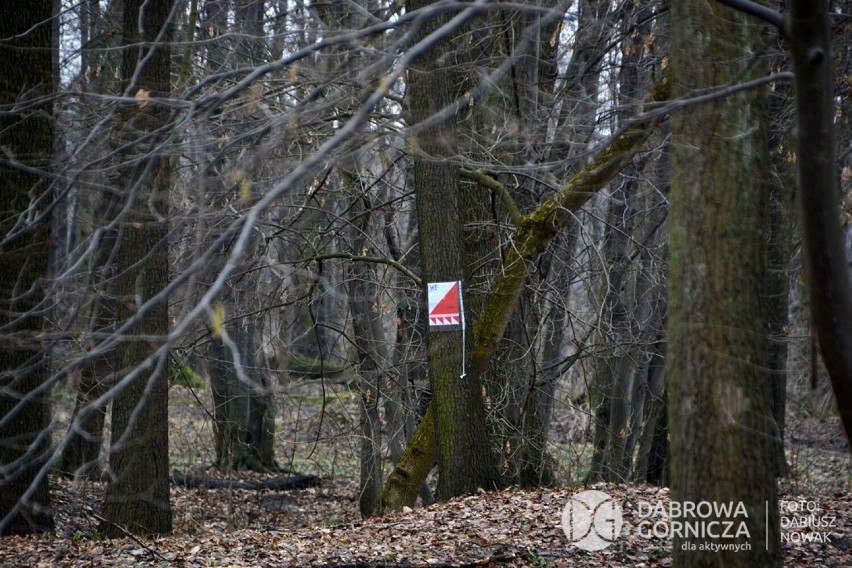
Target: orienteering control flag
column 446, row 312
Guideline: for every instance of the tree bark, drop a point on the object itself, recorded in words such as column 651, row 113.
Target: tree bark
column 137, row 497
column 720, row 416
column 467, row 460
column 806, row 28
column 26, row 139
column 366, row 312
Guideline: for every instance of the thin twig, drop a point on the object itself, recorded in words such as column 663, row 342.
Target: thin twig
column 375, row 259
column 134, row 538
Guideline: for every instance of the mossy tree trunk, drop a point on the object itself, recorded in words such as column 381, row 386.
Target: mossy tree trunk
column 720, row 415
column 26, row 137
column 534, row 232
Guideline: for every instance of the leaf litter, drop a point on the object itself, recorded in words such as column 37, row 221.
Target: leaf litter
column 321, row 526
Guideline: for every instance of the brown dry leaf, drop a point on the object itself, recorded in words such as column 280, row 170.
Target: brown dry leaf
column 143, row 96
column 554, row 38
column 648, row 45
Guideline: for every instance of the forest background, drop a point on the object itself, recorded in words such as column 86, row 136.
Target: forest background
column 247, row 200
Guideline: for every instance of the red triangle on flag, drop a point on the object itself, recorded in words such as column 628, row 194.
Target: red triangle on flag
column 449, row 304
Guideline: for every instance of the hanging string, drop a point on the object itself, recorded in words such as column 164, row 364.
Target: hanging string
column 464, row 334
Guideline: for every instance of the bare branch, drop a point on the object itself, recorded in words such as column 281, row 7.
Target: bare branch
column 760, row 11
column 489, row 182
column 374, row 259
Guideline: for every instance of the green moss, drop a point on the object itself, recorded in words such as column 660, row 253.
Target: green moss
column 181, row 375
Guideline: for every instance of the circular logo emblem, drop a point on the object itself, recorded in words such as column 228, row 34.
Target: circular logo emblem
column 592, row 520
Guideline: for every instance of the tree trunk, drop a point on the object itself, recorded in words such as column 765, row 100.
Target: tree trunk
column 825, row 258
column 368, row 335
column 243, row 407
column 137, row 497
column 411, row 470
column 87, row 428
column 27, row 138
column 85, row 435
column 614, row 367
column 467, row 459
column 782, row 227
column 628, row 306
column 720, row 416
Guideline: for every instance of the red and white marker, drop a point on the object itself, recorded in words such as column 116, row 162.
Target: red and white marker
column 446, row 311
column 445, row 306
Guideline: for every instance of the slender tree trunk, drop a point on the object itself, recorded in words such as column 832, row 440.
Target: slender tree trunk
column 629, row 299
column 614, row 368
column 720, row 414
column 80, row 456
column 825, row 258
column 26, row 137
column 366, row 312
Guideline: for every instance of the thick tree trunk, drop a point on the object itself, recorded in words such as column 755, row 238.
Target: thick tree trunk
column 137, row 497
column 26, row 137
column 467, row 458
column 720, row 415
column 806, row 29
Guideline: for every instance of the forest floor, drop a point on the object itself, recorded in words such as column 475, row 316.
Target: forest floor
column 321, row 525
